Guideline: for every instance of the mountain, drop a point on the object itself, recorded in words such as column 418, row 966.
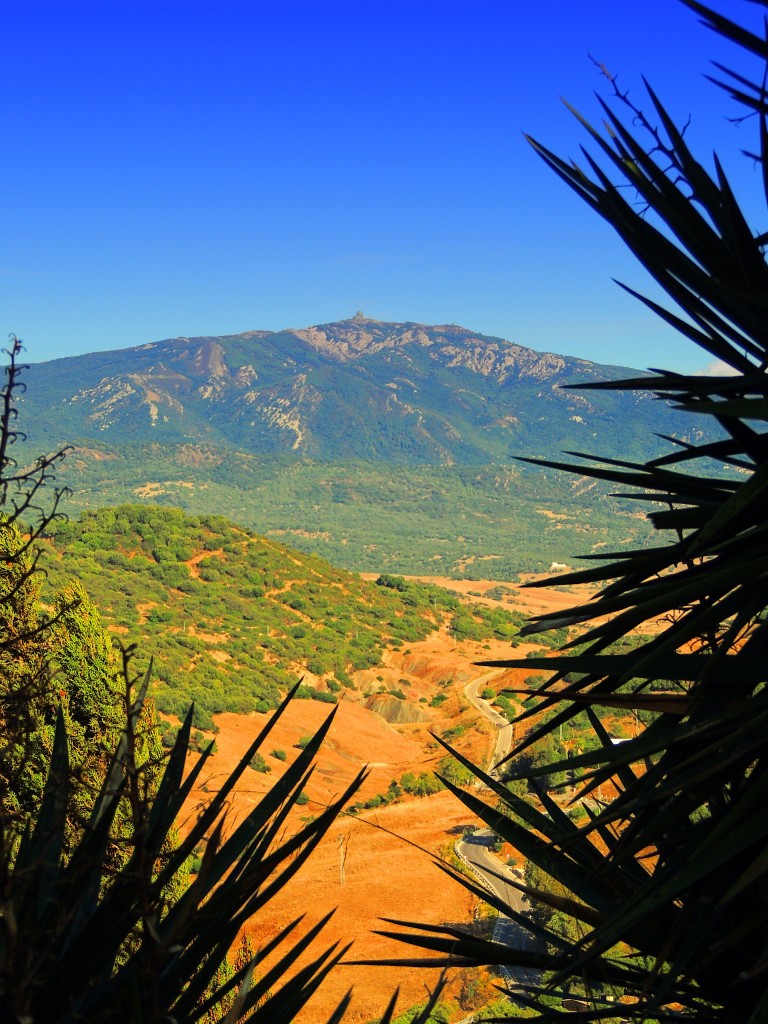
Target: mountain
column 359, row 389
column 380, row 446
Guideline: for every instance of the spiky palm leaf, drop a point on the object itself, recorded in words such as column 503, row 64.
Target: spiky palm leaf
column 62, row 931
column 670, row 877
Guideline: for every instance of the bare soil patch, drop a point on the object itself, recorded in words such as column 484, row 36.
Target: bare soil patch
column 193, row 562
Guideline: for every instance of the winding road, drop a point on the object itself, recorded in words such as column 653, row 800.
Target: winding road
column 474, row 849
column 506, row 735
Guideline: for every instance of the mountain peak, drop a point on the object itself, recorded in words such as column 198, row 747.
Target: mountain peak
column 362, row 336
column 354, row 389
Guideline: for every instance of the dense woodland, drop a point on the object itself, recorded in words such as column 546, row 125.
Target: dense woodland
column 481, row 521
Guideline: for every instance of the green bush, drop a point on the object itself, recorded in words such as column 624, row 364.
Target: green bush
column 168, row 736
column 453, row 771
column 258, row 764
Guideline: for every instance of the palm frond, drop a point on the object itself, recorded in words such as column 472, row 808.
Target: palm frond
column 669, row 873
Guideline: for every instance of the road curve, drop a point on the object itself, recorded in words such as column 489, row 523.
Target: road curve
column 506, row 735
column 474, row 848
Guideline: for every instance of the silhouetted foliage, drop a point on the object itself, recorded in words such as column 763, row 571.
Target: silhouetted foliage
column 657, row 893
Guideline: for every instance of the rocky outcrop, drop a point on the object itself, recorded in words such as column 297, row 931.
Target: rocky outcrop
column 394, row 710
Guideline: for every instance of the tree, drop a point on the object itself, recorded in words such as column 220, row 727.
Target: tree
column 25, row 636
column 667, row 878
column 67, row 663
column 87, row 681
column 87, row 664
column 26, row 701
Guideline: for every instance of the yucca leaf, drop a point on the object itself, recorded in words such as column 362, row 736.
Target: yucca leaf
column 525, row 921
column 170, row 794
column 39, row 858
column 244, row 978
column 465, row 952
column 184, row 1003
column 241, row 896
column 271, row 977
column 212, row 811
column 114, row 779
column 728, row 29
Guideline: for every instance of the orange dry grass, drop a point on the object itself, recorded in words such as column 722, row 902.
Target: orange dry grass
column 389, row 853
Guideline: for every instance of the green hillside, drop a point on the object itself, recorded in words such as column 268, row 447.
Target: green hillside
column 232, row 619
column 473, row 521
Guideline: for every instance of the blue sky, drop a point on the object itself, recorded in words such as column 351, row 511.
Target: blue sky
column 185, row 168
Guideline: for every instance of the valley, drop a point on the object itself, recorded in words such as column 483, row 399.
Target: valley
column 379, row 862
column 232, row 620
column 485, row 521
column 213, row 502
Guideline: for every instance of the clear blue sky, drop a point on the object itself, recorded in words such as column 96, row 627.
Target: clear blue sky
column 185, row 168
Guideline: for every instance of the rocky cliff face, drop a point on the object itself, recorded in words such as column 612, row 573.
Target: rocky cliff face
column 449, row 343
column 357, row 389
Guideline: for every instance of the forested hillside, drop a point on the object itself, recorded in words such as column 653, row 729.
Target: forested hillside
column 232, row 619
column 482, row 522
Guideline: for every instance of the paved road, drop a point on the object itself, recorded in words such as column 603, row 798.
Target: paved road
column 506, row 735
column 474, row 848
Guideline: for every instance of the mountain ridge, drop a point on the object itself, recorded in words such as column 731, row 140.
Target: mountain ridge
column 380, row 446
column 355, row 389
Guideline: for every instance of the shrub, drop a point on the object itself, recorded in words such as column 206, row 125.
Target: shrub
column 453, row 771
column 258, row 764
column 168, row 736
column 454, row 732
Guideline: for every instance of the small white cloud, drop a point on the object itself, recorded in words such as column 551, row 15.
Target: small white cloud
column 717, row 368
